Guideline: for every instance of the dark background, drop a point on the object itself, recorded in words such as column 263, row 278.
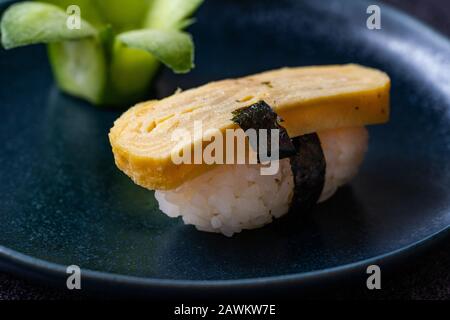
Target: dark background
column 425, row 277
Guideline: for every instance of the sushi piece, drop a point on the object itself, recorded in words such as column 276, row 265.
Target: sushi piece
column 320, row 113
column 232, row 198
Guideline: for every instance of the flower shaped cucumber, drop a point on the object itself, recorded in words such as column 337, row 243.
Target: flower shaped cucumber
column 113, row 56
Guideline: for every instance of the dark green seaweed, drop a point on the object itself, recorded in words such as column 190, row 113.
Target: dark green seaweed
column 305, row 152
column 308, row 167
column 261, row 116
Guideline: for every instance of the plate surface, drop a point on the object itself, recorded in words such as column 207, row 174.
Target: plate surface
column 63, row 201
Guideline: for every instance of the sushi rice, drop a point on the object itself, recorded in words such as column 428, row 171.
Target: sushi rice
column 231, row 198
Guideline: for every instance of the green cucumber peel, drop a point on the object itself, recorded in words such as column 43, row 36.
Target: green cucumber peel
column 173, row 14
column 28, row 23
column 173, row 48
column 80, row 68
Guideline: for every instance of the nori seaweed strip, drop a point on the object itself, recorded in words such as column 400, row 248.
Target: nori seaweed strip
column 308, row 167
column 305, row 152
column 261, row 116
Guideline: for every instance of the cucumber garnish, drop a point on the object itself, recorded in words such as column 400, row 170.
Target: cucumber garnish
column 114, row 56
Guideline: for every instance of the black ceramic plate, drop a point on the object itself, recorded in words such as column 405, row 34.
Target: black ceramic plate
column 63, row 201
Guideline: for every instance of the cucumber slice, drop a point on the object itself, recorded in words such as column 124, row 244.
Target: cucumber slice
column 32, row 22
column 173, row 14
column 173, row 48
column 131, row 73
column 79, row 68
column 123, row 15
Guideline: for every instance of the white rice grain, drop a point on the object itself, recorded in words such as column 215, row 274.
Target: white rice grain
column 231, row 198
